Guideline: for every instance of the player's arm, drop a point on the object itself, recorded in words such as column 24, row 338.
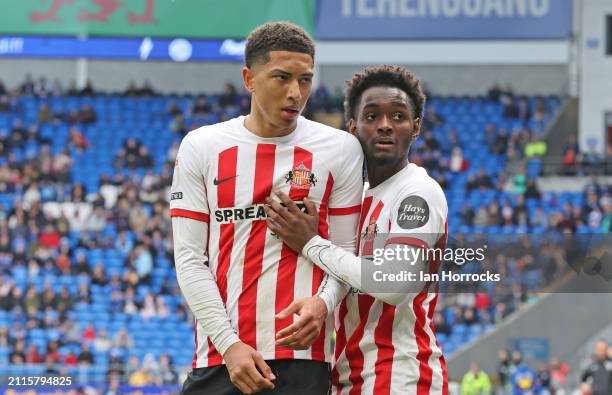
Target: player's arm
column 344, row 208
column 343, row 219
column 343, row 233
column 190, row 216
column 190, row 225
column 198, row 283
column 297, row 230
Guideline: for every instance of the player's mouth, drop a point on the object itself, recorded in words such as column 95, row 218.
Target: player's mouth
column 290, row 113
column 384, row 143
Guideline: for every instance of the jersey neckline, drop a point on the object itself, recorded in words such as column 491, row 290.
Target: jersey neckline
column 282, row 139
column 402, row 173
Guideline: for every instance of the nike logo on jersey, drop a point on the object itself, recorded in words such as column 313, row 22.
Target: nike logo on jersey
column 221, row 181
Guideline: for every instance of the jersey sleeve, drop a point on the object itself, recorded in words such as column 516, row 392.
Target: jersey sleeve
column 418, row 218
column 347, row 190
column 188, row 191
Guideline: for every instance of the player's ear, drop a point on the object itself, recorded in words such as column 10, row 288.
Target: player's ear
column 416, row 131
column 247, row 77
column 351, row 126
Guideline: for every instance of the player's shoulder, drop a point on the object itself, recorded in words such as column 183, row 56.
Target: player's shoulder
column 417, row 181
column 344, row 143
column 317, row 129
column 210, row 133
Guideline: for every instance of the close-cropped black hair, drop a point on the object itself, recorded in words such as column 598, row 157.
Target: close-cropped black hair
column 392, row 76
column 276, row 36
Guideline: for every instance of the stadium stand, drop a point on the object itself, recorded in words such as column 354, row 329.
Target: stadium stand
column 87, row 286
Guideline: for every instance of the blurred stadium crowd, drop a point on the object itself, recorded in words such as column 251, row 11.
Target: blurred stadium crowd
column 515, row 376
column 87, row 286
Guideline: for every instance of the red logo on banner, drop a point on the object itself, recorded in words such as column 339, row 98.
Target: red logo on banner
column 106, row 8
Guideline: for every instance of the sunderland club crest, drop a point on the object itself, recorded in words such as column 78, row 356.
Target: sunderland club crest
column 300, row 177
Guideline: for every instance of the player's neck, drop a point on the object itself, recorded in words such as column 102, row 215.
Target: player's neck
column 380, row 172
column 259, row 126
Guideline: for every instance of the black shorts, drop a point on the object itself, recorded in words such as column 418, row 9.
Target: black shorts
column 293, row 377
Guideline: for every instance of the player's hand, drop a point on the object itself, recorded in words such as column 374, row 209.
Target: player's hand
column 292, row 225
column 304, row 331
column 247, row 369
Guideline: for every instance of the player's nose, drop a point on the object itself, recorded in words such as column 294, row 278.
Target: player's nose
column 384, row 125
column 293, row 91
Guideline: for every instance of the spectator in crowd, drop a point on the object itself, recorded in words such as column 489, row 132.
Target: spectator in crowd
column 32, row 356
column 82, row 266
column 598, row 374
column 570, row 155
column 504, row 368
column 88, row 89
column 18, row 356
column 178, row 125
column 162, row 309
column 86, row 357
column 131, row 90
column 440, row 324
column 149, row 309
column 83, row 293
column 523, row 110
column 229, row 96
column 432, row 119
column 133, row 364
column 53, row 355
column 147, row 89
column 166, row 371
column 87, row 115
column 116, row 366
column 102, row 342
column 494, row 93
column 174, row 109
column 99, row 275
column 77, row 140
column 540, row 112
column 457, row 162
column 71, row 359
column 123, row 340
column 535, row 148
column 140, row 378
column 543, row 379
column 144, row 159
column 45, row 115
column 143, row 264
column 475, row 382
column 5, row 341
column 89, row 333
column 524, row 379
column 200, row 108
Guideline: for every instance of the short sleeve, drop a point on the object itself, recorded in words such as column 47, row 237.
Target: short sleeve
column 418, row 217
column 347, row 190
column 188, row 191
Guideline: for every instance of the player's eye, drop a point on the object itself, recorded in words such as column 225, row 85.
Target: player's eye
column 398, row 116
column 370, row 116
column 281, row 77
column 306, row 80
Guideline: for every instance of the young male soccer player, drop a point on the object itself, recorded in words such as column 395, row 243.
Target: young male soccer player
column 386, row 342
column 235, row 274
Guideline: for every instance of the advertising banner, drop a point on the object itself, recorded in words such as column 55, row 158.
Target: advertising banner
column 443, row 19
column 165, row 18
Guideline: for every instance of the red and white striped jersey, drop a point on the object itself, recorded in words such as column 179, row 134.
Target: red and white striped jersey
column 223, row 175
column 392, row 349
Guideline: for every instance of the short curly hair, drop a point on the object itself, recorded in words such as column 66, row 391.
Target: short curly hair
column 276, row 36
column 385, row 75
